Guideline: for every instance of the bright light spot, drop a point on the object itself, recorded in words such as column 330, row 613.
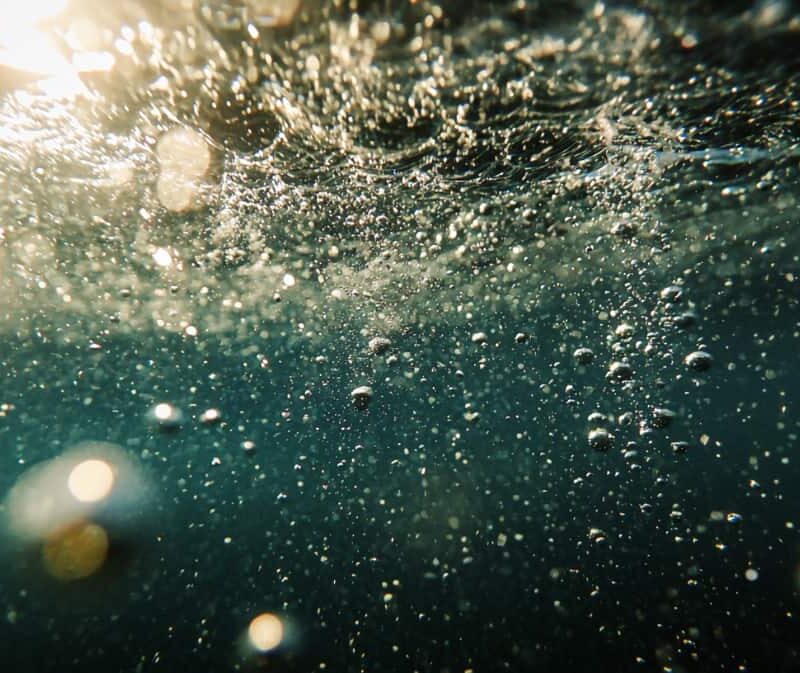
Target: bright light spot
column 30, row 12
column 265, row 632
column 381, row 32
column 75, row 552
column 26, row 48
column 175, row 193
column 183, row 151
column 163, row 411
column 91, row 480
column 162, row 257
column 52, row 497
column 29, row 50
column 123, row 47
column 93, row 61
column 184, row 158
column 289, row 280
column 751, row 574
column 210, row 416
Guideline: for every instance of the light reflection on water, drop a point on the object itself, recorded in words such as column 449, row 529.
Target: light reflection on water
column 28, row 48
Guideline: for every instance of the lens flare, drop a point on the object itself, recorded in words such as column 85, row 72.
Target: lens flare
column 29, row 13
column 91, row 480
column 265, row 632
column 75, row 552
column 29, row 52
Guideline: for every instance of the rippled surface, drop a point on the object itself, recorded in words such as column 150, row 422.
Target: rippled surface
column 403, row 336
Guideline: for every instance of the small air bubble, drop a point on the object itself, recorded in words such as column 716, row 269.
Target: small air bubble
column 361, row 397
column 700, row 361
column 600, row 439
column 619, row 371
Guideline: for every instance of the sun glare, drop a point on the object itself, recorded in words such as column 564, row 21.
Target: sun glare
column 26, row 47
column 30, row 12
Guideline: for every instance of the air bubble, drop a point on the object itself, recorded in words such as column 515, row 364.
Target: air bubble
column 361, row 397
column 662, row 417
column 672, row 294
column 679, row 447
column 378, row 345
column 624, row 331
column 600, row 439
column 211, row 416
column 619, row 371
column 165, row 417
column 699, row 361
column 597, row 418
column 685, row 320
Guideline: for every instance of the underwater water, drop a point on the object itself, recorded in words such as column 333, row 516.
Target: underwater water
column 399, row 336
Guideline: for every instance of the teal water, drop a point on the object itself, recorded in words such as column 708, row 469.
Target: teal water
column 228, row 217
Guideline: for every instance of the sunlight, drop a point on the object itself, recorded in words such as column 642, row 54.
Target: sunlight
column 32, row 12
column 26, row 47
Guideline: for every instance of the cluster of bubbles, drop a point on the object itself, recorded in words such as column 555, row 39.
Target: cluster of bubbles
column 286, row 140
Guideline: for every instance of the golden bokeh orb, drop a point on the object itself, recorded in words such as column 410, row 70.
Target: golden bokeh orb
column 265, row 632
column 76, row 551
